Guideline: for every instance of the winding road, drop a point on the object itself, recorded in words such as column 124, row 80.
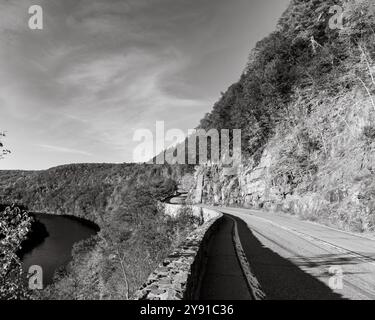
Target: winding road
column 291, row 259
column 260, row 255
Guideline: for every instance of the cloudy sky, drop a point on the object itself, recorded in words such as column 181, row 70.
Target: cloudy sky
column 101, row 69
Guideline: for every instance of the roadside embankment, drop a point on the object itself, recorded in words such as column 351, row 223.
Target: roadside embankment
column 179, row 276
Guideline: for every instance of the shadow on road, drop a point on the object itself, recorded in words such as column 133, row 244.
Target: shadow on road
column 279, row 278
column 328, row 260
column 223, row 278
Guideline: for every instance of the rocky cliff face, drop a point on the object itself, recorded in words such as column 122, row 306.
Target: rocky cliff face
column 251, row 187
column 305, row 105
column 336, row 186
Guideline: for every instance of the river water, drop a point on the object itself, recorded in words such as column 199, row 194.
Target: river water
column 55, row 250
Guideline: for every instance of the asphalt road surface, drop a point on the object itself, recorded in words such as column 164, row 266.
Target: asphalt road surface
column 292, row 259
column 224, row 278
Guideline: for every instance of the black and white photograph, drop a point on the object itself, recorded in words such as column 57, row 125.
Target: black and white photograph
column 187, row 158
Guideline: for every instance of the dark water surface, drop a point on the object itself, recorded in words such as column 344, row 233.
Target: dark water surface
column 55, row 250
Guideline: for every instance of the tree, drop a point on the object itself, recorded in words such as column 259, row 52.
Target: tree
column 14, row 227
column 3, row 151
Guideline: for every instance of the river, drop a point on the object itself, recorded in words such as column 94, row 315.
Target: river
column 55, row 250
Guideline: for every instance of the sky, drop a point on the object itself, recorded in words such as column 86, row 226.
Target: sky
column 76, row 91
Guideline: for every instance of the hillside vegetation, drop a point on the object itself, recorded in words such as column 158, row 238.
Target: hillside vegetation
column 306, row 107
column 84, row 190
column 123, row 200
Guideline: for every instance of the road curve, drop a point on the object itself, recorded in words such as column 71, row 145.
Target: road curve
column 294, row 259
column 224, row 278
column 227, row 275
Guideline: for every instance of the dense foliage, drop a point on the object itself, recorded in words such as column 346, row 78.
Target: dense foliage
column 303, row 59
column 85, row 190
column 15, row 225
column 118, row 261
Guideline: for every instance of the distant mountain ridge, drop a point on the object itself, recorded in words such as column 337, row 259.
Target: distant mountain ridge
column 85, row 190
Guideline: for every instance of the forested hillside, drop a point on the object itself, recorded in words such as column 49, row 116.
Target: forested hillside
column 85, row 190
column 305, row 104
column 123, row 200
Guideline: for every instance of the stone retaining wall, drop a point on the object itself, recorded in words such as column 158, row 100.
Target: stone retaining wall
column 179, row 276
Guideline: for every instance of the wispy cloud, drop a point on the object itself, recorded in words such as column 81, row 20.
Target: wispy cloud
column 64, row 150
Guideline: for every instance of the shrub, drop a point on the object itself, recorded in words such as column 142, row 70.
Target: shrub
column 14, row 227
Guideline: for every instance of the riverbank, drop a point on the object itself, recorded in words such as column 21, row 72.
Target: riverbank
column 55, row 251
column 35, row 237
